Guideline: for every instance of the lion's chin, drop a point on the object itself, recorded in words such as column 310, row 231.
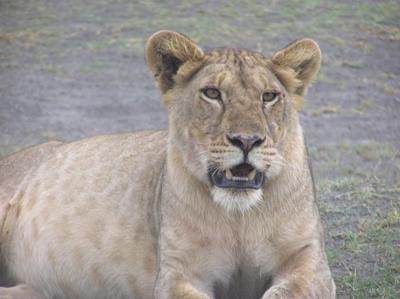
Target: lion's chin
column 234, row 200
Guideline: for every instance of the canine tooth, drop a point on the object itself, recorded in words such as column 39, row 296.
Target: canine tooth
column 252, row 174
column 228, row 174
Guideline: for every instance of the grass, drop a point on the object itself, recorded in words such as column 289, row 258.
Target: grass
column 365, row 106
column 364, row 241
column 371, row 257
column 211, row 24
column 361, row 208
column 325, row 110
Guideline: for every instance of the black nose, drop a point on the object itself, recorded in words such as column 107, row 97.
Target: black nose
column 245, row 143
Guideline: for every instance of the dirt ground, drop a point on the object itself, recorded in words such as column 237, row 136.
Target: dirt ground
column 72, row 69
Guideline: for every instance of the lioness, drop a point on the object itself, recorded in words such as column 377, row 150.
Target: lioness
column 219, row 206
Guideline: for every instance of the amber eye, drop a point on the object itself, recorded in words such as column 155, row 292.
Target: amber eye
column 212, row 93
column 269, row 96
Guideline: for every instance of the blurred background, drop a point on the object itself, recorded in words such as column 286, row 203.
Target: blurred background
column 73, row 69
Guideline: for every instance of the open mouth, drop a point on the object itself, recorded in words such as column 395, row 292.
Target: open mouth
column 242, row 176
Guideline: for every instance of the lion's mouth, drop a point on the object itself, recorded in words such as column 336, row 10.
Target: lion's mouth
column 242, row 176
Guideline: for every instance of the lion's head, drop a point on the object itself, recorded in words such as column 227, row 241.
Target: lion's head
column 232, row 112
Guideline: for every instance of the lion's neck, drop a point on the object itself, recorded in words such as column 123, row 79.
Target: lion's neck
column 185, row 192
column 294, row 186
column 180, row 178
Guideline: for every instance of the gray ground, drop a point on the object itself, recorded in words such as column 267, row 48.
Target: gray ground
column 72, row 69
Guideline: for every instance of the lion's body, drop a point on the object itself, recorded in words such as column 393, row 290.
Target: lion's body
column 145, row 215
column 82, row 216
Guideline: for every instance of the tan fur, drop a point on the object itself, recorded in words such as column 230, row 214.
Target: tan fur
column 135, row 215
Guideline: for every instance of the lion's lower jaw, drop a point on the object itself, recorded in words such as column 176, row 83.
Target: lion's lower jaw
column 237, row 200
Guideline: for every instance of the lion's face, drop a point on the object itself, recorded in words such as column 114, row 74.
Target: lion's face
column 231, row 112
column 229, row 121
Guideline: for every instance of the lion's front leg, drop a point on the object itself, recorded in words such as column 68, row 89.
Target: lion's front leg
column 182, row 274
column 174, row 286
column 187, row 265
column 304, row 275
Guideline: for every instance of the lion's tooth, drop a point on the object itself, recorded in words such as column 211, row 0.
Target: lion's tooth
column 228, row 174
column 252, row 174
column 239, row 178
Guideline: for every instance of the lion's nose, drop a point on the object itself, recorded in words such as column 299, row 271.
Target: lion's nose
column 245, row 143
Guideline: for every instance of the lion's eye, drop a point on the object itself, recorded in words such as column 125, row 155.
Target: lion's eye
column 212, row 93
column 269, row 96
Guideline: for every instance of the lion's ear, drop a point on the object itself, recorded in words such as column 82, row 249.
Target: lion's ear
column 166, row 52
column 297, row 64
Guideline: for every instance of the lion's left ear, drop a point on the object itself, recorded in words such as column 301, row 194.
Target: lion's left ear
column 297, row 64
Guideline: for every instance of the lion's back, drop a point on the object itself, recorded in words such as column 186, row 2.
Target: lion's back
column 16, row 167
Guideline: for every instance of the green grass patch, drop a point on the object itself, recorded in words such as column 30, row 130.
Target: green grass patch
column 376, row 246
column 360, row 203
column 364, row 242
column 381, row 284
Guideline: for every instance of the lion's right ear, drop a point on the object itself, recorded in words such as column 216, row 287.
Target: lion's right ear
column 296, row 66
column 166, row 52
